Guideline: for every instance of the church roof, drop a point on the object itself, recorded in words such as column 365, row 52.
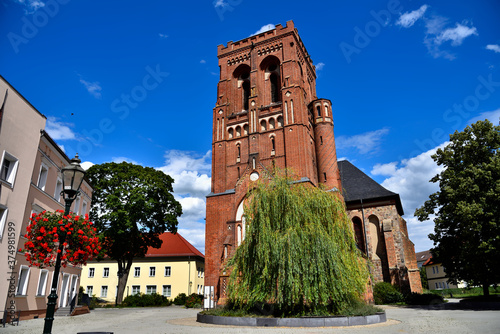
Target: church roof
column 173, row 245
column 359, row 187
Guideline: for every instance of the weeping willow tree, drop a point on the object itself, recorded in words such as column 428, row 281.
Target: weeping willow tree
column 299, row 255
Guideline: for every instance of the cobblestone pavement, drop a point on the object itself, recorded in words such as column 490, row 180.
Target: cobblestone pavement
column 173, row 319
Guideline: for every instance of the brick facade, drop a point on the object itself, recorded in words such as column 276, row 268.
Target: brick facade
column 267, row 115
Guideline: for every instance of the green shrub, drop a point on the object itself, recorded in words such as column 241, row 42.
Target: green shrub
column 424, row 299
column 180, row 299
column 142, row 300
column 194, row 301
column 385, row 293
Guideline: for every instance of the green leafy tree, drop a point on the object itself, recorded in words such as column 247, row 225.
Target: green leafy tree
column 299, row 254
column 131, row 206
column 423, row 278
column 467, row 206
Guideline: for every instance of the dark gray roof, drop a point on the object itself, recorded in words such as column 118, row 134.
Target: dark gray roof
column 359, row 187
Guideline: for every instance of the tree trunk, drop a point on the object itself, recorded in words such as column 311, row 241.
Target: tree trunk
column 486, row 289
column 123, row 271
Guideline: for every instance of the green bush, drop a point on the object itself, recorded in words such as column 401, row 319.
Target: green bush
column 142, row 300
column 385, row 293
column 180, row 299
column 194, row 301
column 424, row 299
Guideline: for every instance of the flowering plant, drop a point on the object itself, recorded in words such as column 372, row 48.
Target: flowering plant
column 47, row 229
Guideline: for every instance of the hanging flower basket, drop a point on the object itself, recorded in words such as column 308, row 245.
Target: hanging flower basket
column 47, row 229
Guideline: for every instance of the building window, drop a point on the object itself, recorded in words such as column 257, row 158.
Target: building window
column 104, row 291
column 90, row 290
column 436, row 285
column 273, row 145
column 230, row 132
column 42, row 178
column 8, row 168
column 150, row 289
column 22, row 282
column 84, row 208
column 42, row 282
column 433, row 270
column 167, row 290
column 168, row 271
column 137, row 271
column 318, row 109
column 57, row 192
column 105, row 272
column 91, row 272
column 246, row 92
column 275, row 87
column 437, row 270
column 76, row 208
column 136, row 289
column 152, row 271
column 3, row 218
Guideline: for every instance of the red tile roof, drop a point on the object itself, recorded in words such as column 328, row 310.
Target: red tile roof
column 173, row 245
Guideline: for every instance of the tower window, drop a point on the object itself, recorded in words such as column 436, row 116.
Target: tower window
column 238, row 131
column 271, row 123
column 263, row 126
column 324, row 175
column 321, row 139
column 318, row 108
column 231, row 133
column 246, row 93
column 275, row 94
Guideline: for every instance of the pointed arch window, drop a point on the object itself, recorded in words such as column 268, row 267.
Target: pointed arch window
column 246, row 94
column 275, row 87
column 318, row 108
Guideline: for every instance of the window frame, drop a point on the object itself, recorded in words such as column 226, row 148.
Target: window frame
column 105, row 272
column 58, row 189
column 42, row 283
column 152, row 271
column 4, row 212
column 11, row 170
column 169, row 287
column 168, row 273
column 42, row 178
column 138, row 289
column 104, row 288
column 91, row 272
column 91, row 289
column 148, row 287
column 22, row 281
column 137, row 271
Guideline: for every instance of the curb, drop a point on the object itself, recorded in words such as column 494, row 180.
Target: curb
column 293, row 322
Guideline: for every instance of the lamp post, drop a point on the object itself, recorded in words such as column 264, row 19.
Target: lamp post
column 72, row 179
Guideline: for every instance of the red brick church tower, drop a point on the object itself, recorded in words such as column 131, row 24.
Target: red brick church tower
column 267, row 114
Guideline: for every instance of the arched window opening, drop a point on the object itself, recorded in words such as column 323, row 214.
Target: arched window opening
column 324, row 176
column 263, row 126
column 280, row 121
column 245, row 129
column 321, row 139
column 275, row 87
column 358, row 233
column 271, row 123
column 326, row 110
column 318, row 108
column 246, row 94
column 238, row 131
column 239, row 151
column 231, row 133
column 273, row 145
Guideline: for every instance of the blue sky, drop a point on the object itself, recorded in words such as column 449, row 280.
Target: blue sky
column 136, row 81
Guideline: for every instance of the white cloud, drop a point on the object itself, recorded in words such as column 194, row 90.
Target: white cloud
column 320, row 66
column 408, row 19
column 456, row 35
column 219, row 3
column 368, row 142
column 492, row 116
column 411, row 182
column 264, row 28
column 31, row 6
column 87, row 164
column 93, row 88
column 162, row 35
column 124, row 159
column 493, row 47
column 203, row 61
column 384, row 169
column 59, row 130
column 437, row 35
column 191, row 172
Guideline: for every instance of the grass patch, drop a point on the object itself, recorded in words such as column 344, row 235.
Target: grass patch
column 466, row 292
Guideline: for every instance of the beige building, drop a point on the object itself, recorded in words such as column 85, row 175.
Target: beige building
column 436, row 276
column 30, row 183
column 176, row 267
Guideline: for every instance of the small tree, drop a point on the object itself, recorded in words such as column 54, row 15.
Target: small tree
column 467, row 206
column 299, row 252
column 46, row 229
column 131, row 205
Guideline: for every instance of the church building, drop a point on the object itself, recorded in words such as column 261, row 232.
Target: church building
column 267, row 115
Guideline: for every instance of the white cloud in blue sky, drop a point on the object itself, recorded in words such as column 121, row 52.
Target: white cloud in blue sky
column 163, row 35
column 94, row 88
column 31, row 6
column 493, row 47
column 59, row 130
column 264, row 28
column 408, row 19
column 366, row 143
column 320, row 66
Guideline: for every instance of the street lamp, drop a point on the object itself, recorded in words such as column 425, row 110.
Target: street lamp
column 72, row 179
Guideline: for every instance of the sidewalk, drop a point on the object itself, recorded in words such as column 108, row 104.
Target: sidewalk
column 176, row 319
